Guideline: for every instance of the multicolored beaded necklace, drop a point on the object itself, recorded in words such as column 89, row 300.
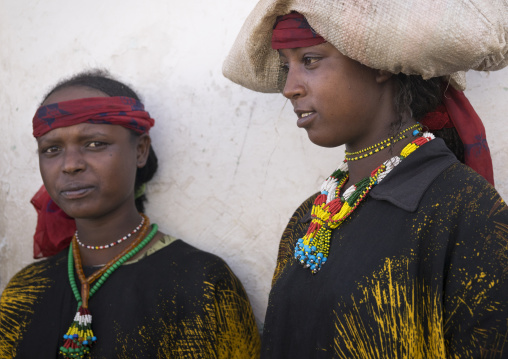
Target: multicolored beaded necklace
column 358, row 155
column 79, row 338
column 112, row 244
column 330, row 209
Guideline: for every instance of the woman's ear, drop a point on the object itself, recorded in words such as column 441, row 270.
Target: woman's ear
column 383, row 76
column 143, row 149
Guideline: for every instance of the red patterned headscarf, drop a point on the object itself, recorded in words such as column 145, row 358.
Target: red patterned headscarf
column 458, row 112
column 55, row 229
column 293, row 30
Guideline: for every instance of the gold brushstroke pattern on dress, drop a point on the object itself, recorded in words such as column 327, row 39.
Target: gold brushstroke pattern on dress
column 498, row 207
column 392, row 303
column 479, row 286
column 227, row 316
column 20, row 296
column 399, row 306
column 287, row 243
column 474, row 299
column 502, row 254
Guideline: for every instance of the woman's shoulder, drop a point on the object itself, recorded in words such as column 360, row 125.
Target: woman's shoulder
column 295, row 228
column 461, row 197
column 38, row 273
column 300, row 217
column 469, row 206
column 23, row 293
column 463, row 174
column 181, row 256
column 303, row 209
column 183, row 249
column 465, row 183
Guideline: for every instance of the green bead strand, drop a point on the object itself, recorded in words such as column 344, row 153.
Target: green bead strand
column 72, row 280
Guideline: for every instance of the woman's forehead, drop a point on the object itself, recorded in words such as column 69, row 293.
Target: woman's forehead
column 73, row 93
column 322, row 46
column 84, row 130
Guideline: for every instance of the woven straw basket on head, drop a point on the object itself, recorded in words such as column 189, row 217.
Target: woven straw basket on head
column 417, row 37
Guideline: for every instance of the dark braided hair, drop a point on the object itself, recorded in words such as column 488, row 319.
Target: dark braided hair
column 102, row 81
column 415, row 97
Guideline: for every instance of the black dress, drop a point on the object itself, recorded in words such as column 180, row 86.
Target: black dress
column 419, row 270
column 178, row 302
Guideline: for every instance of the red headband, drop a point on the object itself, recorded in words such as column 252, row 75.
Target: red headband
column 123, row 111
column 457, row 112
column 293, row 30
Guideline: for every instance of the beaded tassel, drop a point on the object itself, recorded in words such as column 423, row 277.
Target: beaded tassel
column 79, row 338
column 330, row 210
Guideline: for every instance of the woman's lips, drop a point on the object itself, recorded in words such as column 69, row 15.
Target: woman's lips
column 305, row 118
column 76, row 193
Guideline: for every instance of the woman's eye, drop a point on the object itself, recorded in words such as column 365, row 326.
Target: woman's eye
column 51, row 149
column 284, row 66
column 96, row 144
column 307, row 60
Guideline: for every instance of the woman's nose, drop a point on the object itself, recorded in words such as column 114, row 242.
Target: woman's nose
column 294, row 87
column 73, row 161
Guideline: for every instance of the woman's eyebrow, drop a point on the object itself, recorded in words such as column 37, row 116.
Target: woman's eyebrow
column 80, row 137
column 85, row 135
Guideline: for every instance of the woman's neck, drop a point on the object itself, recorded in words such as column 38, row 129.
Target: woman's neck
column 105, row 230
column 362, row 168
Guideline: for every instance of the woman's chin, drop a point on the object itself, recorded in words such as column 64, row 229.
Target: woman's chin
column 78, row 212
column 322, row 141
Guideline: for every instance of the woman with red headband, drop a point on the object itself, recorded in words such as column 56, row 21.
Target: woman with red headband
column 150, row 295
column 403, row 251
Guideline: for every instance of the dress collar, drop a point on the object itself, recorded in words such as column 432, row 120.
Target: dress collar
column 406, row 184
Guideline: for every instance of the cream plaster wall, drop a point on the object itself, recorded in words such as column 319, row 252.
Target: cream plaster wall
column 234, row 165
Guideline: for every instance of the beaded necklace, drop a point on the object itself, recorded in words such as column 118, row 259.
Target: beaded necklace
column 358, row 155
column 112, row 244
column 330, row 209
column 79, row 338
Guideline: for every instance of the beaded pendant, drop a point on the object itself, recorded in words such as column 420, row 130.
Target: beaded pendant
column 79, row 337
column 330, row 210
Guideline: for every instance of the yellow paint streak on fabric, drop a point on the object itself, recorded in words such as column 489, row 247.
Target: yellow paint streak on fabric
column 232, row 329
column 227, row 330
column 403, row 311
column 480, row 284
column 502, row 234
column 20, row 296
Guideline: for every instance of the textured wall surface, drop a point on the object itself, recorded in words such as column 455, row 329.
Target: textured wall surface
column 234, row 166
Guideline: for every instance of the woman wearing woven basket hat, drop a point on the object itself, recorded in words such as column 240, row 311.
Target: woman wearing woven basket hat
column 150, row 295
column 403, row 251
